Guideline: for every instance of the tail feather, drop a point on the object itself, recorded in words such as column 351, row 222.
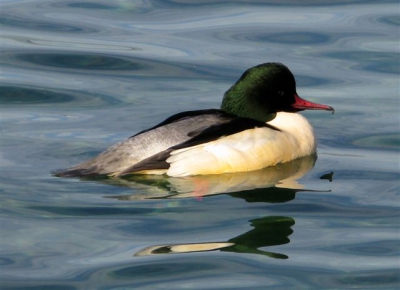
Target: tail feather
column 89, row 173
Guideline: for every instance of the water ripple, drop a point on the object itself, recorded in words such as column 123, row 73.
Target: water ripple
column 89, row 5
column 386, row 62
column 26, row 23
column 393, row 20
column 293, row 38
column 380, row 248
column 85, row 62
column 80, row 61
column 21, row 95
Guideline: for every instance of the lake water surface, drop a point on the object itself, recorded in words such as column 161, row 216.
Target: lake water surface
column 78, row 76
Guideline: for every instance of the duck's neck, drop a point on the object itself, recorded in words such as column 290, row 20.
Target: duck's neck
column 235, row 103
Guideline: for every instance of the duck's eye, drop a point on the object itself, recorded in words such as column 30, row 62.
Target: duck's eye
column 281, row 93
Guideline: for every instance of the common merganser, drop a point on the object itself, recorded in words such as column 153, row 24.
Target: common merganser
column 256, row 127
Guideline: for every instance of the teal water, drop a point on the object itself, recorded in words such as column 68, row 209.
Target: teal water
column 78, row 76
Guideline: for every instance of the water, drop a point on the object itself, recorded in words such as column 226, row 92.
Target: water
column 79, row 76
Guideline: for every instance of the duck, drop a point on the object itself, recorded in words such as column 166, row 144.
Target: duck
column 258, row 125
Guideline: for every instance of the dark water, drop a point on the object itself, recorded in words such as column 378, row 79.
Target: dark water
column 78, row 76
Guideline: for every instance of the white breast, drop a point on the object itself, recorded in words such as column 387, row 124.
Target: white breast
column 296, row 127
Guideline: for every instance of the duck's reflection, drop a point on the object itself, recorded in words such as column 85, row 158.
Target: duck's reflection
column 276, row 184
column 267, row 231
column 248, row 185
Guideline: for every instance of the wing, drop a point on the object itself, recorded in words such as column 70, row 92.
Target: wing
column 175, row 130
column 186, row 115
column 184, row 158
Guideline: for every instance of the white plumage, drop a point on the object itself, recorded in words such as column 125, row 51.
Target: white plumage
column 248, row 150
